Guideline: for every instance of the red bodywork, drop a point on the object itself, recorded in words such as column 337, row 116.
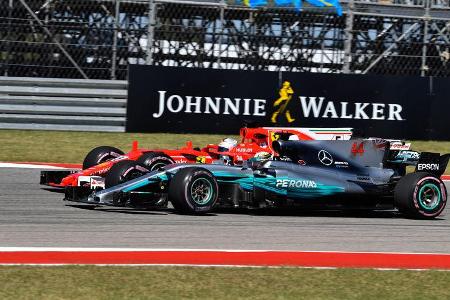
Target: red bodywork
column 253, row 140
column 185, row 154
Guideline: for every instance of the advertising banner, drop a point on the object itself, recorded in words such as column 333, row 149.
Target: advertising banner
column 380, row 106
column 191, row 100
column 162, row 99
column 439, row 128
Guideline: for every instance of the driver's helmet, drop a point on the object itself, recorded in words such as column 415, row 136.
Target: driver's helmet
column 226, row 145
column 262, row 144
column 260, row 156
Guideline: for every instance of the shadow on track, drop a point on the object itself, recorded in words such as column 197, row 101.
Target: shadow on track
column 295, row 212
column 280, row 212
column 53, row 190
column 331, row 213
column 121, row 210
column 135, row 211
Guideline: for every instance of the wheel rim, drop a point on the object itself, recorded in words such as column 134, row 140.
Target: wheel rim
column 201, row 191
column 429, row 196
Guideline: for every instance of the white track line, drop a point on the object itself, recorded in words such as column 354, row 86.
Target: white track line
column 81, row 249
column 28, row 166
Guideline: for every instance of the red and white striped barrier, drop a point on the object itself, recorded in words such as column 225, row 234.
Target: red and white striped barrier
column 242, row 258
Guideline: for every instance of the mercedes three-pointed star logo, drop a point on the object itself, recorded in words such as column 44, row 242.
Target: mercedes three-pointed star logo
column 325, row 157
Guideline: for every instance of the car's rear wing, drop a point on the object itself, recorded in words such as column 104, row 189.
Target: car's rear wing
column 433, row 163
column 270, row 134
column 323, row 134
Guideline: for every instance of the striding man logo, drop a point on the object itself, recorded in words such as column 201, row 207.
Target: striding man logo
column 282, row 103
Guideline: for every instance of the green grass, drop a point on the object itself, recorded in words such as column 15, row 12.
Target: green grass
column 72, row 147
column 90, row 282
column 431, row 146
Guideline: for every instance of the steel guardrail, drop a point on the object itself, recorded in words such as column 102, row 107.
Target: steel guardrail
column 63, row 104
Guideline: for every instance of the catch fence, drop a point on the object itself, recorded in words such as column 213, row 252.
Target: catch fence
column 98, row 39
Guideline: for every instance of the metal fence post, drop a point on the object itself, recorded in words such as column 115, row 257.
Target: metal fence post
column 8, row 51
column 114, row 46
column 150, row 31
column 49, row 55
column 348, row 37
column 424, row 67
column 222, row 26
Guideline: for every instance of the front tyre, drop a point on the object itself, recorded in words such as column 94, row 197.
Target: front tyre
column 100, row 155
column 155, row 160
column 420, row 195
column 124, row 171
column 193, row 191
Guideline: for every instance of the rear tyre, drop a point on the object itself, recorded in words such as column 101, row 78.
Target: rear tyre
column 193, row 191
column 420, row 195
column 124, row 171
column 155, row 160
column 100, row 155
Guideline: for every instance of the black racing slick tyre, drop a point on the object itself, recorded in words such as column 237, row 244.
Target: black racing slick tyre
column 420, row 195
column 100, row 155
column 155, row 160
column 124, row 171
column 193, row 191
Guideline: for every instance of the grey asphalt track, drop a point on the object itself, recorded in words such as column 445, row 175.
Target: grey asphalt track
column 33, row 217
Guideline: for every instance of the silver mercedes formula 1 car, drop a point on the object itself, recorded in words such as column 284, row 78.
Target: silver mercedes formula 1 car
column 366, row 173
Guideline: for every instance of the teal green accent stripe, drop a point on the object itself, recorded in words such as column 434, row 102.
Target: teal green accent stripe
column 162, row 177
column 136, row 186
column 248, row 182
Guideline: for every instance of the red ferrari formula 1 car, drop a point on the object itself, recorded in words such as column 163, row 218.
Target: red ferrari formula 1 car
column 256, row 140
column 102, row 163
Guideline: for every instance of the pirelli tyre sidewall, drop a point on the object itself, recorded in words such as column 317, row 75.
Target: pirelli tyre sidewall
column 155, row 160
column 100, row 155
column 124, row 171
column 193, row 191
column 420, row 195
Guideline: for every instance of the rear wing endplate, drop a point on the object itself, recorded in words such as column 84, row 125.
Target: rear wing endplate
column 433, row 163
